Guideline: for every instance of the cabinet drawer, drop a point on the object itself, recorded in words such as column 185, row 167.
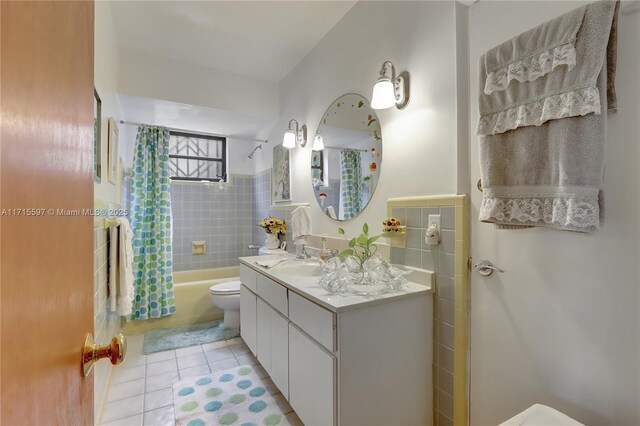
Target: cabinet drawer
column 248, row 277
column 272, row 293
column 315, row 320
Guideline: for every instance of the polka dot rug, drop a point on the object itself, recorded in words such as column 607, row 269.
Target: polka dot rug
column 231, row 397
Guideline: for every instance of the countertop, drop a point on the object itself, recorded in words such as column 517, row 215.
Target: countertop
column 420, row 283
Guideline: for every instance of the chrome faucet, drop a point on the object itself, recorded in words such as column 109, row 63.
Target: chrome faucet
column 302, row 253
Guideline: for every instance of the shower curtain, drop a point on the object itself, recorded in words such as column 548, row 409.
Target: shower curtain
column 151, row 224
column 350, row 184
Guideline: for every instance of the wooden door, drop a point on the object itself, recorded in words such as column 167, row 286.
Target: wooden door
column 46, row 261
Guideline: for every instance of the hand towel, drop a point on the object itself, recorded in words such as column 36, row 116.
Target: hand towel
column 548, row 172
column 300, row 223
column 331, row 212
column 126, row 292
column 270, row 263
column 113, row 267
column 548, row 91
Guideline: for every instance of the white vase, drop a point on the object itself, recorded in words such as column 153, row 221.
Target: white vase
column 272, row 241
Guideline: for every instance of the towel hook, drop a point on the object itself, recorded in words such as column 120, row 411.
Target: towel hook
column 479, row 185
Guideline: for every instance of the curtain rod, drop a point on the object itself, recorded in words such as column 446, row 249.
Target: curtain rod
column 173, row 129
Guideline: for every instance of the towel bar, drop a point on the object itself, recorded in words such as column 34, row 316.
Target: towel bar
column 109, row 222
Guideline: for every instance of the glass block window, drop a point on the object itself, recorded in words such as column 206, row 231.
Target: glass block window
column 194, row 157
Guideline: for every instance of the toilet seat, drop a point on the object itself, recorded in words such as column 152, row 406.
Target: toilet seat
column 225, row 289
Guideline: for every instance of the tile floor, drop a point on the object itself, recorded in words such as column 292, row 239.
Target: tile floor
column 140, row 392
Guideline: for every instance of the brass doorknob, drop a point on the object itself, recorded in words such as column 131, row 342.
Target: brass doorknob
column 93, row 352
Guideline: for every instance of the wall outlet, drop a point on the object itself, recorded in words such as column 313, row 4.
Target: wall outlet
column 434, row 219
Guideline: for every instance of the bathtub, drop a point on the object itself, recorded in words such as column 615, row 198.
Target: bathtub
column 191, row 291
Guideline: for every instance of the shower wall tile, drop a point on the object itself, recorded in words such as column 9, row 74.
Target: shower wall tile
column 222, row 218
column 225, row 219
column 333, row 195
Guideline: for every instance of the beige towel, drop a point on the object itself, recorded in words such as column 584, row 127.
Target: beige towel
column 549, row 91
column 549, row 174
column 113, row 268
column 126, row 292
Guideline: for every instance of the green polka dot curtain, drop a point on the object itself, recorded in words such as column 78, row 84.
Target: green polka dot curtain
column 350, row 184
column 151, row 224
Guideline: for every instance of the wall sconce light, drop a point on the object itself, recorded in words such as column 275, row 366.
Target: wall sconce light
column 318, row 143
column 390, row 91
column 292, row 136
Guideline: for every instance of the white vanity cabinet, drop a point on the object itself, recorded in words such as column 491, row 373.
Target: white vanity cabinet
column 248, row 319
column 340, row 360
column 272, row 330
column 312, row 379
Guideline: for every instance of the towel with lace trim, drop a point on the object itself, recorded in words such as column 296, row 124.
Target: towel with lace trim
column 546, row 73
column 542, row 141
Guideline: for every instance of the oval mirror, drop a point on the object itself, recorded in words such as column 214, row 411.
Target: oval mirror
column 345, row 162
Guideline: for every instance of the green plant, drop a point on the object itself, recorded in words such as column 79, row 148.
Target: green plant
column 361, row 246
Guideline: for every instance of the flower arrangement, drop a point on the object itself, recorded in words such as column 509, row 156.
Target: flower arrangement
column 391, row 224
column 273, row 225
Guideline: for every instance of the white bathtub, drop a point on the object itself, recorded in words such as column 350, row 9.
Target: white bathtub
column 191, row 291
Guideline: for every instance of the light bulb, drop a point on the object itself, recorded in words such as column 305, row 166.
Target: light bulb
column 289, row 140
column 318, row 143
column 384, row 95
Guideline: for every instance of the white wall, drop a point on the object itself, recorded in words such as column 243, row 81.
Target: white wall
column 561, row 326
column 106, row 325
column 148, row 76
column 106, row 84
column 237, row 161
column 419, row 142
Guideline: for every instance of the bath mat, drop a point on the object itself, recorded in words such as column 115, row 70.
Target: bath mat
column 235, row 396
column 164, row 339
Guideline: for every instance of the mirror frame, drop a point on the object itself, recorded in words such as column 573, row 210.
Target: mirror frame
column 325, row 159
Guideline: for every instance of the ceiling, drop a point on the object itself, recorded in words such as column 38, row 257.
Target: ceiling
column 261, row 39
column 194, row 118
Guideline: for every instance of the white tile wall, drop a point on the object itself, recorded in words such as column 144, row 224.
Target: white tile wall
column 105, row 324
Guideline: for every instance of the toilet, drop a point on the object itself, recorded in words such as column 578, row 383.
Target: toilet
column 226, row 296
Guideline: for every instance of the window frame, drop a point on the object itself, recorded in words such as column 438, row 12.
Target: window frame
column 222, row 159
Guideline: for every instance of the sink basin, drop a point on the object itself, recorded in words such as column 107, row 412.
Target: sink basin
column 299, row 268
